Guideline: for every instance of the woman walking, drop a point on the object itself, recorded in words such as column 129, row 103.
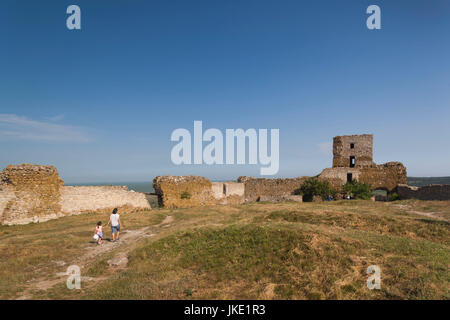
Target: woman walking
column 114, row 220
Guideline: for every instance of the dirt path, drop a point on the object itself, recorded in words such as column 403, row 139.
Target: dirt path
column 434, row 215
column 128, row 241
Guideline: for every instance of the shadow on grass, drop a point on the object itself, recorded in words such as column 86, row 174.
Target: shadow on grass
column 439, row 222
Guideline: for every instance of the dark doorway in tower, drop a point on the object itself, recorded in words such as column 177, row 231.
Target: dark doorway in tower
column 352, row 162
column 349, row 177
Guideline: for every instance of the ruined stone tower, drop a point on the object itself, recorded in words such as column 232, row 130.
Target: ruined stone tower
column 355, row 151
column 353, row 160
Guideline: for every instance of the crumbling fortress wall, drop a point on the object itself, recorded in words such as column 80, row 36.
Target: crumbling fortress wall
column 183, row 191
column 33, row 193
column 431, row 192
column 228, row 192
column 336, row 177
column 262, row 189
column 353, row 160
column 75, row 200
column 36, row 192
column 192, row 191
column 384, row 176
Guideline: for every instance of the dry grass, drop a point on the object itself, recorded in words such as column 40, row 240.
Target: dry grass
column 250, row 251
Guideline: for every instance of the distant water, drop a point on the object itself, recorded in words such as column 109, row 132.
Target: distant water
column 148, row 186
column 135, row 186
column 424, row 181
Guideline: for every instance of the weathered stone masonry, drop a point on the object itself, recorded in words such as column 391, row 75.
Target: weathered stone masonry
column 431, row 192
column 353, row 160
column 262, row 189
column 33, row 193
column 36, row 193
column 192, row 191
column 96, row 198
column 359, row 147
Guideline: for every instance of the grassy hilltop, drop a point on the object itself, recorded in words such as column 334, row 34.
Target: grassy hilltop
column 250, row 251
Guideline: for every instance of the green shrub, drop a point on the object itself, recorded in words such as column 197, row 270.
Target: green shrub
column 185, row 195
column 358, row 190
column 394, row 196
column 313, row 187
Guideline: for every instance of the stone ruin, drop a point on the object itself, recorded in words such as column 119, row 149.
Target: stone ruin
column 28, row 191
column 353, row 160
column 273, row 190
column 192, row 191
column 430, row 192
column 34, row 193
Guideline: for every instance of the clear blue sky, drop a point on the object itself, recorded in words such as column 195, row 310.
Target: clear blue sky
column 100, row 103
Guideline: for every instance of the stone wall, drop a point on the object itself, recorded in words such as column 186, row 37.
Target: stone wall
column 228, row 192
column 336, row 177
column 262, row 189
column 34, row 193
column 183, row 191
column 7, row 195
column 362, row 150
column 76, row 200
column 193, row 191
column 36, row 190
column 218, row 190
column 431, row 192
column 384, row 176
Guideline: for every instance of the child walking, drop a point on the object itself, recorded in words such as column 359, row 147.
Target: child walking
column 99, row 232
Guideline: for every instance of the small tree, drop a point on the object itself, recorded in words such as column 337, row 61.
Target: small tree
column 358, row 190
column 185, row 195
column 394, row 197
column 314, row 187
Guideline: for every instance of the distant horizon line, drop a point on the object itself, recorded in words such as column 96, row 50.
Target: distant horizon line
column 119, row 182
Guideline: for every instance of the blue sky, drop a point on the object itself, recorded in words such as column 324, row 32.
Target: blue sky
column 101, row 103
